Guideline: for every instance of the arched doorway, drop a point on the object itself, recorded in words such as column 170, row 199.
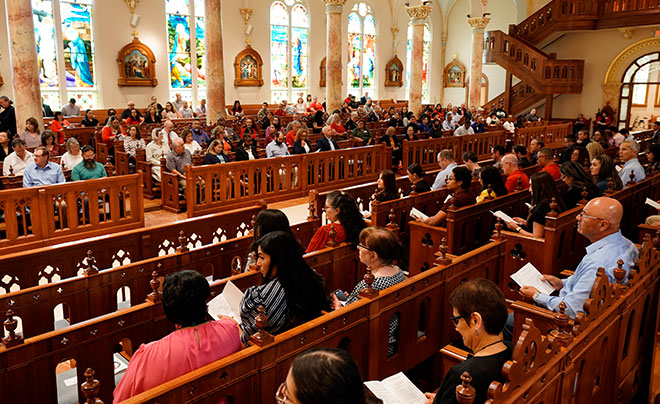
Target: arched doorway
column 639, row 101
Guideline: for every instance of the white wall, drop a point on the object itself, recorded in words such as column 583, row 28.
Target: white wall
column 5, row 57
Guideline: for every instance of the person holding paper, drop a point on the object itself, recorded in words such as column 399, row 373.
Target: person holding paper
column 195, row 342
column 599, row 222
column 291, row 291
column 479, row 314
column 543, row 189
column 655, row 219
column 459, row 184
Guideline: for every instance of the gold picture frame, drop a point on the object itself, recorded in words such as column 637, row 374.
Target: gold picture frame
column 248, row 66
column 454, row 75
column 137, row 65
column 394, row 73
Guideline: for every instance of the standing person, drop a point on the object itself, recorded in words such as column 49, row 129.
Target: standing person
column 343, row 217
column 89, row 168
column 42, row 171
column 8, row 117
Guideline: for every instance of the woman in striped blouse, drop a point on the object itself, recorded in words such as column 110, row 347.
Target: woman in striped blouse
column 291, row 292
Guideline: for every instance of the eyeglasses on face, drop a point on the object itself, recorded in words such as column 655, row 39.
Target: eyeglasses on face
column 457, row 319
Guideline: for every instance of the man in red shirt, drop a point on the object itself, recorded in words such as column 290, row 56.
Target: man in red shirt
column 291, row 136
column 513, row 173
column 315, row 105
column 546, row 159
column 280, row 111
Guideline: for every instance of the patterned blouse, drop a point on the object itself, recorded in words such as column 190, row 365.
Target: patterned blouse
column 270, row 295
column 130, row 145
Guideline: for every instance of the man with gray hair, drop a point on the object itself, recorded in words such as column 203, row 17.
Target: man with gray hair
column 168, row 132
column 628, row 154
column 447, row 164
column 177, row 160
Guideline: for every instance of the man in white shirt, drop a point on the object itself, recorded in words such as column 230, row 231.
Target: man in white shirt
column 447, row 164
column 201, row 110
column 628, row 154
column 168, row 132
column 185, row 111
column 464, row 129
column 448, row 123
column 277, row 148
column 71, row 109
column 508, row 124
column 16, row 162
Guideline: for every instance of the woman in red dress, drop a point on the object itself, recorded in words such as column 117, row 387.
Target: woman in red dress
column 344, row 218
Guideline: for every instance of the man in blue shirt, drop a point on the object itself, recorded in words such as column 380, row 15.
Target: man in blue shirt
column 628, row 154
column 447, row 163
column 599, row 222
column 42, row 171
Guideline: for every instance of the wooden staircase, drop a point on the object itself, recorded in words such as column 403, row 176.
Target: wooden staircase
column 522, row 97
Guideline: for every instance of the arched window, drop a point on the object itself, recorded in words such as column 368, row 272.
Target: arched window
column 289, row 30
column 65, row 51
column 426, row 52
column 361, row 50
column 185, row 26
column 640, row 91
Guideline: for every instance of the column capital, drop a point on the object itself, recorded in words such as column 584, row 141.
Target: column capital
column 334, row 6
column 418, row 14
column 478, row 23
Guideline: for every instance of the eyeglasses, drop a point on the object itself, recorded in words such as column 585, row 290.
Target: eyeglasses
column 280, row 395
column 457, row 319
column 582, row 214
column 364, row 247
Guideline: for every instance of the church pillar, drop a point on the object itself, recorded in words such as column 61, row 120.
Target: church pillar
column 443, row 55
column 333, row 88
column 215, row 67
column 418, row 15
column 25, row 66
column 476, row 60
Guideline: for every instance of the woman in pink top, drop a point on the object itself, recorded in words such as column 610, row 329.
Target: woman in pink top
column 193, row 344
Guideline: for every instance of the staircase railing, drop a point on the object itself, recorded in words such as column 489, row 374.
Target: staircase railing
column 522, row 97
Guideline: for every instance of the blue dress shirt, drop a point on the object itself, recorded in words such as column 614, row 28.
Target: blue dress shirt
column 34, row 176
column 632, row 165
column 441, row 178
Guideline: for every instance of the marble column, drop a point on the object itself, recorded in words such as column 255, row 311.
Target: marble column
column 443, row 55
column 215, row 67
column 418, row 17
column 476, row 60
column 25, row 66
column 334, row 65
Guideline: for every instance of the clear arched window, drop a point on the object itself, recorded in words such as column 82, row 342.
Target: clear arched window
column 65, row 55
column 361, row 50
column 289, row 32
column 185, row 27
column 640, row 88
column 426, row 52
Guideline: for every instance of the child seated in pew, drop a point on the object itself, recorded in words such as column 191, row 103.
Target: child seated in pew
column 416, row 177
column 344, row 218
column 380, row 251
column 195, row 342
column 543, row 189
column 324, row 376
column 479, row 314
column 492, row 184
column 459, row 184
column 291, row 292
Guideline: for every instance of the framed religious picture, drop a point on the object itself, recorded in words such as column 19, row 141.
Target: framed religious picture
column 247, row 67
column 394, row 73
column 454, row 74
column 137, row 65
column 323, row 72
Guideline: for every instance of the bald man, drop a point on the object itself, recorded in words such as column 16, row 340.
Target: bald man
column 599, row 222
column 513, row 173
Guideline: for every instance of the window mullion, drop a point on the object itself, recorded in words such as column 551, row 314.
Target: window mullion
column 59, row 53
column 289, row 60
column 192, row 26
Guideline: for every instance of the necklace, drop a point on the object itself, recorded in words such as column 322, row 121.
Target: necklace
column 486, row 346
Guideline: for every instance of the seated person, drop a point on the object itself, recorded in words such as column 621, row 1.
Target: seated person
column 88, row 169
column 361, row 132
column 546, row 159
column 194, row 343
column 343, row 217
column 291, row 135
column 301, row 144
column 277, row 148
column 177, row 160
column 497, row 152
column 447, row 164
column 492, row 184
column 48, row 141
column 379, row 251
column 155, row 150
column 599, row 222
column 267, row 221
column 653, row 155
column 543, row 189
column 386, row 187
column 133, row 141
column 73, row 156
column 337, row 126
column 472, row 163
column 464, row 129
column 514, row 174
column 577, row 180
column 17, row 160
column 189, row 143
column 479, row 315
column 389, row 139
column 628, row 154
column 411, row 134
column 5, row 146
column 215, row 153
column 42, row 171
column 322, row 376
column 291, row 292
column 459, row 184
column 603, row 171
column 570, row 143
column 199, row 135
column 416, row 177
column 521, row 152
column 327, row 141
column 247, row 149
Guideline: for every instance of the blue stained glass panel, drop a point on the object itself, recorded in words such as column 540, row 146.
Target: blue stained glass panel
column 178, row 29
column 44, row 33
column 77, row 44
column 201, row 50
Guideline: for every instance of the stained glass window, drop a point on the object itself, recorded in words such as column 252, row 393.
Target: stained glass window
column 289, row 31
column 186, row 48
column 72, row 48
column 426, row 56
column 361, row 50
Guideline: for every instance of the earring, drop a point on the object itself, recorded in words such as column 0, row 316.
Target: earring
column 476, row 333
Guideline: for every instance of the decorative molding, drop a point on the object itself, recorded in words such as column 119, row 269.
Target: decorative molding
column 246, row 13
column 395, row 32
column 323, row 72
column 137, row 65
column 478, row 22
column 626, row 33
column 248, row 68
column 132, row 4
column 627, row 56
column 394, row 73
column 334, row 6
column 454, row 74
column 418, row 14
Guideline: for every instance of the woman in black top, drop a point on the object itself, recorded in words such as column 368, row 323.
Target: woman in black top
column 653, row 156
column 215, row 153
column 390, row 140
column 152, row 115
column 89, row 121
column 410, row 133
column 479, row 314
column 416, row 177
column 5, row 146
column 543, row 189
column 246, row 144
column 386, row 187
column 318, row 122
column 301, row 144
column 577, row 180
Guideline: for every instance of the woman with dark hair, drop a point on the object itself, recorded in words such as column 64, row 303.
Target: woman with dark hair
column 267, row 221
column 390, row 140
column 89, row 121
column 133, row 141
column 386, row 184
column 5, row 146
column 411, row 134
column 152, row 115
column 577, row 180
column 48, row 141
column 194, row 343
column 31, row 135
column 301, row 144
column 479, row 315
column 603, row 171
column 111, row 112
column 318, row 122
column 416, row 177
column 597, row 136
column 291, row 292
column 344, row 218
column 57, row 126
column 134, row 118
column 580, row 156
column 215, row 153
column 236, row 109
column 324, row 376
column 189, row 143
column 492, row 184
column 653, row 157
column 543, row 189
column 170, row 112
column 246, row 149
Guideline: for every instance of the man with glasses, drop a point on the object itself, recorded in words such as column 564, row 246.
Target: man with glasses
column 458, row 183
column 42, row 171
column 599, row 222
column 546, row 159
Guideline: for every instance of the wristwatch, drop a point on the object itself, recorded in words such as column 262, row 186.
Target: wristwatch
column 536, row 295
column 518, row 229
